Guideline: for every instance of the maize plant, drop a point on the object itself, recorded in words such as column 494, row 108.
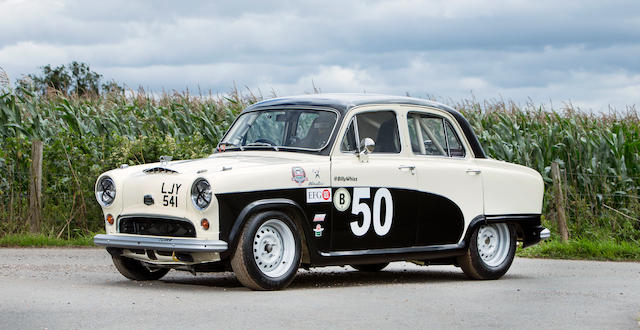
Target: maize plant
column 84, row 136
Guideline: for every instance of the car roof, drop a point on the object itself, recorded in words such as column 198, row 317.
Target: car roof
column 344, row 102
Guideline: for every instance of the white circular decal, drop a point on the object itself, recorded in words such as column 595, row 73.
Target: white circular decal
column 342, row 199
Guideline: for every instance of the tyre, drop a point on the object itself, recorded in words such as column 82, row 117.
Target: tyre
column 490, row 252
column 136, row 270
column 371, row 267
column 267, row 256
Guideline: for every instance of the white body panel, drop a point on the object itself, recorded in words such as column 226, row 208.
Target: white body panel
column 232, row 172
column 510, row 188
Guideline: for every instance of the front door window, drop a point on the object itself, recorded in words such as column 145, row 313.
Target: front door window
column 380, row 126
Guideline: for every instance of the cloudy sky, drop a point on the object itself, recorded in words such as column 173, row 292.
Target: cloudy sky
column 583, row 52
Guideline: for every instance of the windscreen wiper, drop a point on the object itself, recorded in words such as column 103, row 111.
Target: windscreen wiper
column 262, row 144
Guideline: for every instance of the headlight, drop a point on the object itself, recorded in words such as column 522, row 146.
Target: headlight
column 201, row 194
column 105, row 191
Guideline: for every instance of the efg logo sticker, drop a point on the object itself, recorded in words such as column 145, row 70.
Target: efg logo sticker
column 318, row 195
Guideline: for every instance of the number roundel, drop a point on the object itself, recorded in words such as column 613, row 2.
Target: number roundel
column 382, row 229
column 381, row 226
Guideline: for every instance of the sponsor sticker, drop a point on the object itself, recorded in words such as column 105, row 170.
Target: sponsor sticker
column 316, row 178
column 318, row 230
column 298, row 175
column 342, row 199
column 318, row 195
column 319, row 217
column 345, row 178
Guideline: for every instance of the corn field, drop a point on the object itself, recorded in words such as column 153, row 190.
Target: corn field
column 599, row 154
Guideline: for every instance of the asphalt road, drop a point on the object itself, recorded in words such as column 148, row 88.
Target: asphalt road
column 79, row 288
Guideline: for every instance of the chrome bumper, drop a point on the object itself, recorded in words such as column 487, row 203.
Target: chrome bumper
column 545, row 233
column 160, row 243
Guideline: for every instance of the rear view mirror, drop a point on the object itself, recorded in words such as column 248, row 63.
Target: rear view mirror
column 367, row 145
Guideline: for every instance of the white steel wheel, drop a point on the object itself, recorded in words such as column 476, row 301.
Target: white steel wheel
column 493, row 243
column 274, row 248
column 490, row 251
column 268, row 252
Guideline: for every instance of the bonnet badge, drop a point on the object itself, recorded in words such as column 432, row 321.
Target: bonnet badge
column 164, row 160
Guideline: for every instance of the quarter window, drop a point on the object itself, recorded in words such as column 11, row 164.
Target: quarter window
column 434, row 136
column 380, row 126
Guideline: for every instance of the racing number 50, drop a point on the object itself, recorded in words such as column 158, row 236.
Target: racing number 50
column 380, row 228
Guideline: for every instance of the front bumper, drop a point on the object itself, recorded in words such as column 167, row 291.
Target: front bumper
column 160, row 243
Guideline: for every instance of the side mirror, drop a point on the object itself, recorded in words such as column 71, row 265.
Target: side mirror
column 366, row 146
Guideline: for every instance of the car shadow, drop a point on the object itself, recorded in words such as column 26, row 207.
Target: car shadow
column 319, row 279
column 349, row 278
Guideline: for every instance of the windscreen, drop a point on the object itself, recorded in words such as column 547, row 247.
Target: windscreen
column 274, row 129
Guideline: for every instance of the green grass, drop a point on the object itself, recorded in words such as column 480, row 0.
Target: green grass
column 30, row 240
column 584, row 249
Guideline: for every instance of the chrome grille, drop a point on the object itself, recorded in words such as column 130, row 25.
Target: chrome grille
column 141, row 225
column 160, row 170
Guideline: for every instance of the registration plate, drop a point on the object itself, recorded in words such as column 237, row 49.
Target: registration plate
column 169, row 193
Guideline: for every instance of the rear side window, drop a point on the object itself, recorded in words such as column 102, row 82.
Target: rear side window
column 380, row 126
column 433, row 136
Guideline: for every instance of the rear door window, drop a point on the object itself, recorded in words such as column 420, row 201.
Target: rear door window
column 433, row 135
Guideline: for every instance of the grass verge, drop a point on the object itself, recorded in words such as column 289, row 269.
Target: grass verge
column 584, row 249
column 30, row 240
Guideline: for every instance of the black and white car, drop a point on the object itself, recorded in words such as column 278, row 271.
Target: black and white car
column 318, row 180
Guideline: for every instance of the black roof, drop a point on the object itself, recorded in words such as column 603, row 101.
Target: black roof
column 344, row 102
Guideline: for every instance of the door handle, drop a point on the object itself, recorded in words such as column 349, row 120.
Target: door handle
column 472, row 171
column 411, row 168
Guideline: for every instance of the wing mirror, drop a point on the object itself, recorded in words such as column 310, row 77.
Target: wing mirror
column 366, row 147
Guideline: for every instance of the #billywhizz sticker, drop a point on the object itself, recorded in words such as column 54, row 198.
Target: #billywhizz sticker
column 318, row 195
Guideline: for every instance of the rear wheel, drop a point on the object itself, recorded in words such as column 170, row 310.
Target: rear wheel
column 490, row 253
column 268, row 253
column 371, row 267
column 136, row 270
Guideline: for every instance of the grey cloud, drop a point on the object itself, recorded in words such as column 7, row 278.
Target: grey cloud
column 578, row 50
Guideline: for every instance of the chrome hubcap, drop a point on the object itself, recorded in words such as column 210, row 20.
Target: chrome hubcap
column 274, row 248
column 493, row 243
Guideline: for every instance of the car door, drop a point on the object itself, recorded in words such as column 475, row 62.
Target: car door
column 448, row 178
column 373, row 201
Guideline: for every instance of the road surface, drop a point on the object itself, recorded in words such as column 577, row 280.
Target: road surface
column 79, row 288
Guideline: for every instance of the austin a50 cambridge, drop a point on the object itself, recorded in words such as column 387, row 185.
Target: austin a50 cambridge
column 321, row 180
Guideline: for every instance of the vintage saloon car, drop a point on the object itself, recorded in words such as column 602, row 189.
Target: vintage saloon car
column 317, row 180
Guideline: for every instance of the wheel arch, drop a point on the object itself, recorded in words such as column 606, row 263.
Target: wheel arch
column 285, row 205
column 527, row 226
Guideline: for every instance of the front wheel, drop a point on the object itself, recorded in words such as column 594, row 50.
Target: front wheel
column 268, row 253
column 136, row 270
column 490, row 253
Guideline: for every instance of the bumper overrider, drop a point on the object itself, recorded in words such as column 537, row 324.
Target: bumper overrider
column 160, row 243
